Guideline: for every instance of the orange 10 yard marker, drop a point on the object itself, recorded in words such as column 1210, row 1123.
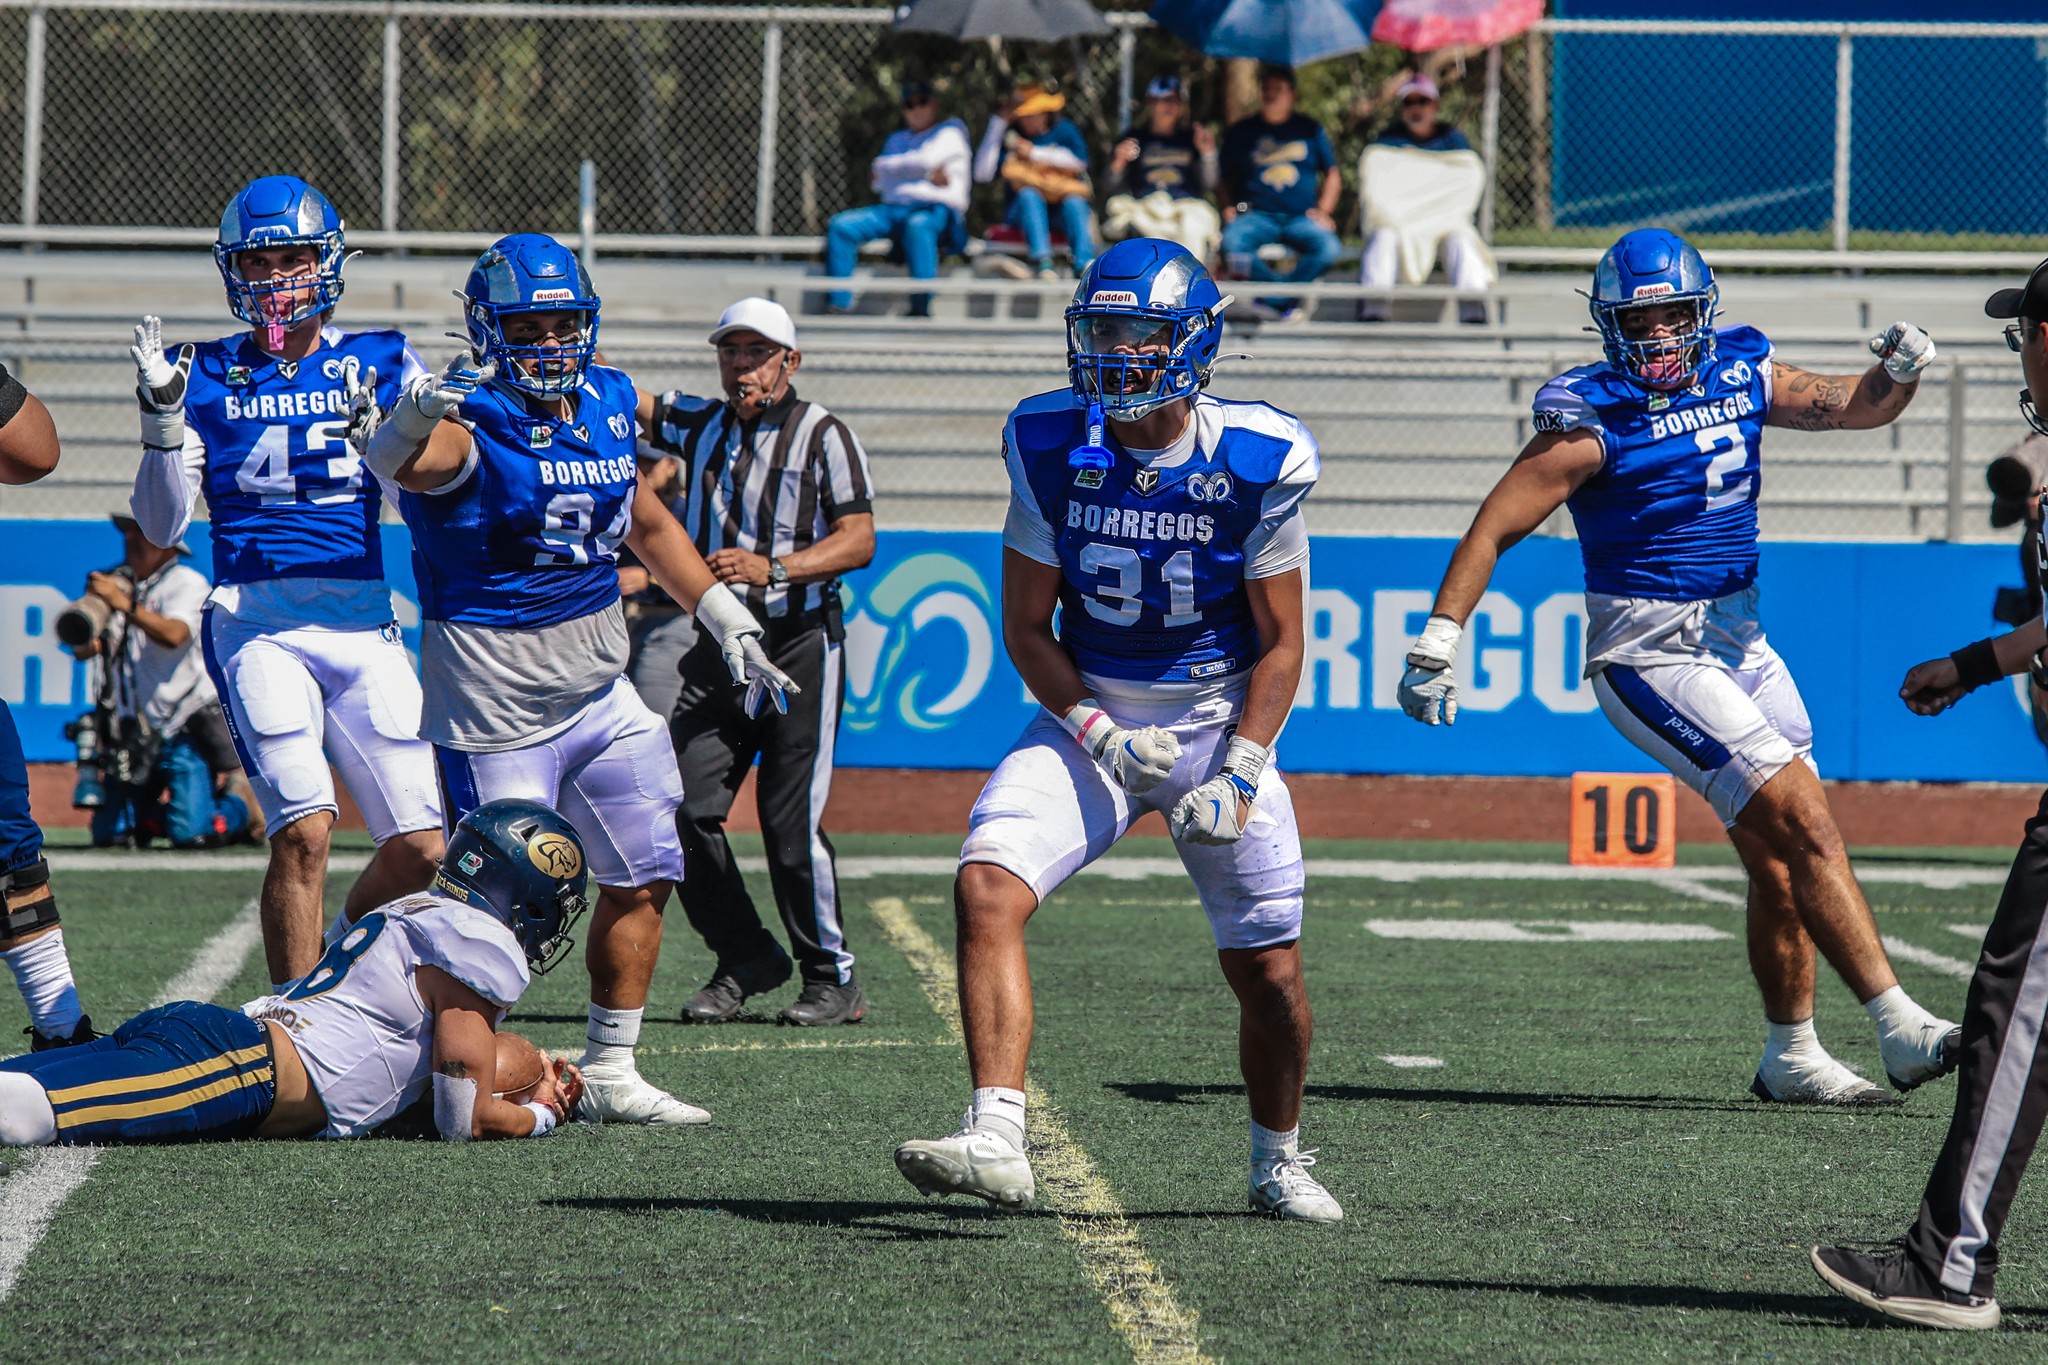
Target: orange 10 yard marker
column 1624, row 820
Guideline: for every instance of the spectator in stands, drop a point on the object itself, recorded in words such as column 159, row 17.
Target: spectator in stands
column 1164, row 171
column 922, row 176
column 1417, row 212
column 1281, row 181
column 161, row 731
column 1043, row 159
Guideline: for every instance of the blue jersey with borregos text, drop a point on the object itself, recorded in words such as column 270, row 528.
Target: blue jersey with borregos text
column 288, row 496
column 1671, row 513
column 1154, row 557
column 529, row 534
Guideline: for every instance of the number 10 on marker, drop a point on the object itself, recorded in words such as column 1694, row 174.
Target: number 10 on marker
column 1624, row 820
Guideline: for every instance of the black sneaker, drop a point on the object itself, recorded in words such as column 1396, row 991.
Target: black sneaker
column 825, row 1002
column 729, row 987
column 1892, row 1283
column 82, row 1034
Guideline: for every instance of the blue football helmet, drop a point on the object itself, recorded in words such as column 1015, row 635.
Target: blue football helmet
column 523, row 863
column 1143, row 328
column 279, row 210
column 1652, row 266
column 530, row 272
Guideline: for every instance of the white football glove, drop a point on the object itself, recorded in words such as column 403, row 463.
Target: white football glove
column 1905, row 351
column 722, row 613
column 1428, row 691
column 431, row 397
column 1208, row 813
column 359, row 392
column 160, row 386
column 1136, row 760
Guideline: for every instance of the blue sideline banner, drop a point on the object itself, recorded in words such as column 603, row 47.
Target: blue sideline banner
column 929, row 685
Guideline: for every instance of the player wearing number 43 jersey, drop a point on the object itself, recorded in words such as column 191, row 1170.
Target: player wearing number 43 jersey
column 1165, row 528
column 299, row 633
column 1655, row 451
column 521, row 481
column 409, row 996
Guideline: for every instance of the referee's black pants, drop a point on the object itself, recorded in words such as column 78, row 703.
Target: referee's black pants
column 716, row 742
column 2001, row 1084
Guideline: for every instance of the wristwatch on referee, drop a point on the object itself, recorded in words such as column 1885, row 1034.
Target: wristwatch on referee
column 778, row 574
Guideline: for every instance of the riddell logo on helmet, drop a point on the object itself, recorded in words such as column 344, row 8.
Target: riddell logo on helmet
column 1113, row 296
column 1651, row 291
column 559, row 295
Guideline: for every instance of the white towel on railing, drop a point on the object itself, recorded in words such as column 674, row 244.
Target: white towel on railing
column 1423, row 197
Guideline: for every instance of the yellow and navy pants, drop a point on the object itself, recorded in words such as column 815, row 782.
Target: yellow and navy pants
column 181, row 1071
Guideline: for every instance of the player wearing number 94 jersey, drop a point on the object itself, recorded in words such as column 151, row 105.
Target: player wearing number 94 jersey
column 1655, row 451
column 1165, row 528
column 299, row 634
column 520, row 478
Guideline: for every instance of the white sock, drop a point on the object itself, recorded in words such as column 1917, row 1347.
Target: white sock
column 1269, row 1144
column 1794, row 1042
column 26, row 1118
column 1896, row 1012
column 612, row 1035
column 1000, row 1110
column 43, row 971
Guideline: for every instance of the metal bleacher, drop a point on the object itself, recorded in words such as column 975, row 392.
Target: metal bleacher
column 1416, row 417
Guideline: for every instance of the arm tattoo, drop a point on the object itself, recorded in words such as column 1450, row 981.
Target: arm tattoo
column 455, row 1068
column 1821, row 399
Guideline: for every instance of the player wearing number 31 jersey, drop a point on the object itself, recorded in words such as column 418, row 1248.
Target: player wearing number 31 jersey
column 1165, row 528
column 1655, row 451
column 299, row 633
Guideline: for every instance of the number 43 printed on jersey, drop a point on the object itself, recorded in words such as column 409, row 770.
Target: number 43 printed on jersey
column 277, row 475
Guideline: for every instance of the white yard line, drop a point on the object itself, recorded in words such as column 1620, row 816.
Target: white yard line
column 1914, row 953
column 1141, row 1304
column 48, row 1175
column 1411, row 1063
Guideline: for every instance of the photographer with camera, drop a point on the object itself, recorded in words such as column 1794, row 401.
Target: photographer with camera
column 157, row 725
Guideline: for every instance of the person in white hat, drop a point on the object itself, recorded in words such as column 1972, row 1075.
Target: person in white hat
column 775, row 492
column 1418, row 183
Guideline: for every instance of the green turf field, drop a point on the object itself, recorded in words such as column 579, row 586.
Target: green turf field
column 1582, row 1178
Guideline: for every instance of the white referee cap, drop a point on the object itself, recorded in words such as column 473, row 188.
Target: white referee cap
column 765, row 316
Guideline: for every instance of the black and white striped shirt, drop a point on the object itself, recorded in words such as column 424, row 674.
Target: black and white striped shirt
column 771, row 485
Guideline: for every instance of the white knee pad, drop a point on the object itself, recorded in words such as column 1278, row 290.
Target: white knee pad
column 26, row 1119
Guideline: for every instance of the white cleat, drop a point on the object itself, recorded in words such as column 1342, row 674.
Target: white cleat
column 1817, row 1080
column 627, row 1098
column 1915, row 1056
column 1284, row 1188
column 984, row 1165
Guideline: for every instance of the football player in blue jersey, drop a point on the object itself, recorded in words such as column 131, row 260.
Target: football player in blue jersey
column 521, row 481
column 299, row 632
column 1164, row 527
column 1656, row 452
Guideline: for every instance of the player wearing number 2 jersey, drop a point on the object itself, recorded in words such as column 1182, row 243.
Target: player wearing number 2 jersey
column 520, row 483
column 299, row 633
column 1165, row 528
column 1655, row 451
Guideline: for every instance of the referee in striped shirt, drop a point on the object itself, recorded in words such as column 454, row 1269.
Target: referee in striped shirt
column 775, row 492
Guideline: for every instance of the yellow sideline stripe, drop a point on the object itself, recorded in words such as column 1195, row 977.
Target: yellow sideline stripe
column 128, row 1085
column 163, row 1104
column 1141, row 1304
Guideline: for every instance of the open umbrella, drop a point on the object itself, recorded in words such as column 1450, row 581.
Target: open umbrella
column 1284, row 32
column 1038, row 21
column 1426, row 25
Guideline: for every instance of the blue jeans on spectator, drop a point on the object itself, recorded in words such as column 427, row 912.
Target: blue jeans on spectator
column 917, row 228
column 1030, row 215
column 1315, row 248
column 195, row 817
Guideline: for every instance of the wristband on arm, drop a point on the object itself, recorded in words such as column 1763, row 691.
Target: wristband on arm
column 1977, row 665
column 543, row 1119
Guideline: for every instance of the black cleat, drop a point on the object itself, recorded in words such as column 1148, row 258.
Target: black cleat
column 729, row 987
column 1893, row 1283
column 825, row 1002
column 81, row 1034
